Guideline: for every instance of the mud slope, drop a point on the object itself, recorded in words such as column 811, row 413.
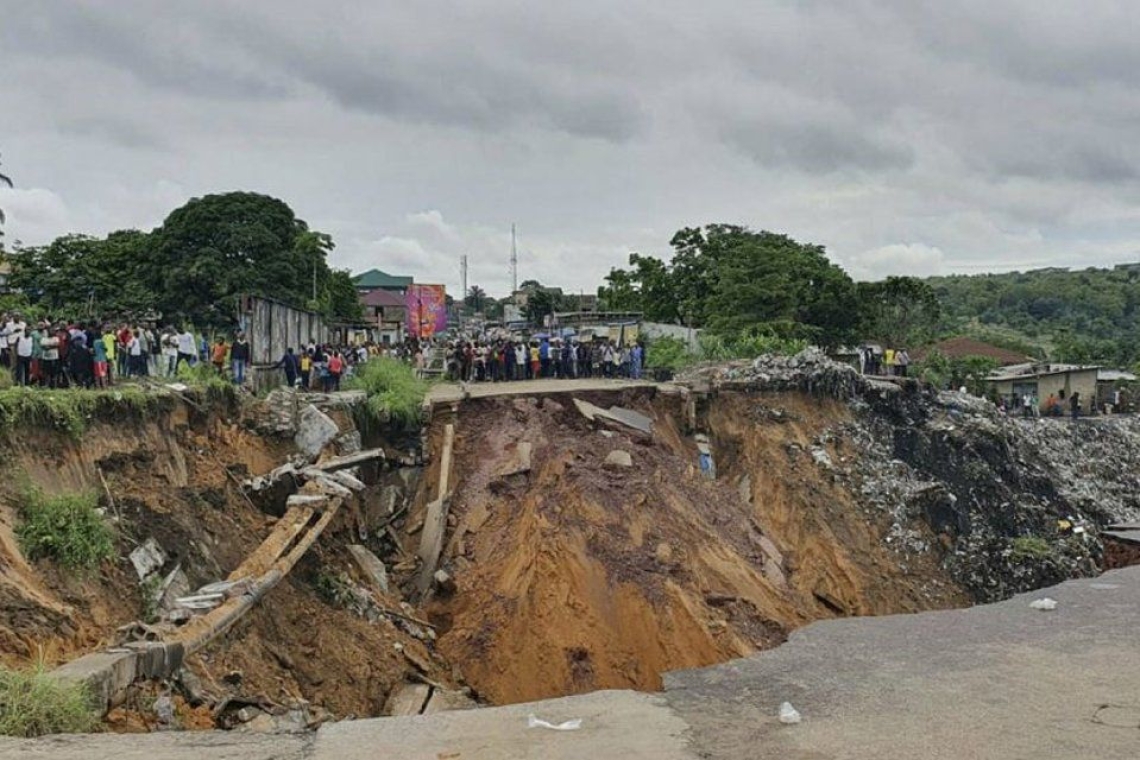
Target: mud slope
column 174, row 477
column 577, row 575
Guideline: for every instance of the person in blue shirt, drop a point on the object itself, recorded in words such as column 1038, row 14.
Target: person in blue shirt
column 544, row 357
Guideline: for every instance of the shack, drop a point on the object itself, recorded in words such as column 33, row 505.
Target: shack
column 274, row 327
column 1042, row 380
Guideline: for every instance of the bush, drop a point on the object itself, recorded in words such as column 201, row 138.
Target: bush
column 668, row 353
column 66, row 528
column 32, row 703
column 1029, row 548
column 394, row 392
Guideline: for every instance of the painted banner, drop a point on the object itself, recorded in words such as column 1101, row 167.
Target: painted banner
column 427, row 310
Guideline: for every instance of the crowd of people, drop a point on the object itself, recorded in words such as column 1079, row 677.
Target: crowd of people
column 884, row 361
column 94, row 354
column 504, row 360
column 322, row 367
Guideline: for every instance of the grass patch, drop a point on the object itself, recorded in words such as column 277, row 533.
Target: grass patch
column 1029, row 548
column 394, row 392
column 65, row 528
column 32, row 703
column 71, row 410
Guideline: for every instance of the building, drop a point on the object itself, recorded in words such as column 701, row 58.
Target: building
column 388, row 311
column 1042, row 380
column 962, row 347
column 374, row 279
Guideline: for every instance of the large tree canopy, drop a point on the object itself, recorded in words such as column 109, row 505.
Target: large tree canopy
column 736, row 281
column 194, row 267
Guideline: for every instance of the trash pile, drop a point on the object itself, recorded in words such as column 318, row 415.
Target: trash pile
column 810, row 371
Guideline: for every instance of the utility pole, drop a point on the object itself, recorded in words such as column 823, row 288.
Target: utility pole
column 514, row 263
column 463, row 274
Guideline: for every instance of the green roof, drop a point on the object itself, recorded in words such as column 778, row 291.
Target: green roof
column 374, row 278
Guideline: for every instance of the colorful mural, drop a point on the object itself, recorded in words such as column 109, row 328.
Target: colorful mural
column 427, row 310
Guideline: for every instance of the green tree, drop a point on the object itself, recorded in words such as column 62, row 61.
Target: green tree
column 899, row 311
column 647, row 287
column 218, row 247
column 79, row 275
column 340, row 301
column 476, row 298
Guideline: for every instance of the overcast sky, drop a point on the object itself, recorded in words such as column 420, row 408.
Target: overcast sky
column 908, row 137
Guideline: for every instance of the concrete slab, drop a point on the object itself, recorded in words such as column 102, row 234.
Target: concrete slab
column 615, row 724
column 192, row 745
column 999, row 681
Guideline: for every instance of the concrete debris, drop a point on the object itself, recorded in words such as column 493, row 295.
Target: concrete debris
column 350, row 460
column 315, row 430
column 444, row 582
column 445, row 700
column 1044, row 604
column 618, row 458
column 810, row 371
column 408, row 699
column 521, row 462
column 348, row 480
column 626, row 417
column 370, row 565
column 148, row 558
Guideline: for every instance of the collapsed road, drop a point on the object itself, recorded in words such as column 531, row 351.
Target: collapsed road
column 529, row 546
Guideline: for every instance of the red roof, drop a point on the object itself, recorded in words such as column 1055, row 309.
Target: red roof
column 961, row 347
column 382, row 298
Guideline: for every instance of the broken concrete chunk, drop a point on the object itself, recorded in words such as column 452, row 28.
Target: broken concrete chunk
column 444, row 582
column 520, row 463
column 315, row 430
column 148, row 558
column 305, row 500
column 370, row 565
column 347, row 480
column 618, row 458
column 445, row 701
column 408, row 699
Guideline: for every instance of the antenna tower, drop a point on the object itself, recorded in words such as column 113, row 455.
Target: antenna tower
column 514, row 263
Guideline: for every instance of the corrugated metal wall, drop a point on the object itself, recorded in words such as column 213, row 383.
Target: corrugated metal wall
column 272, row 328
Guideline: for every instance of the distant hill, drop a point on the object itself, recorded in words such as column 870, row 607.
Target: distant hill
column 1088, row 315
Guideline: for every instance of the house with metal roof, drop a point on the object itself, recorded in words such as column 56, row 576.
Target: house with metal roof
column 375, row 279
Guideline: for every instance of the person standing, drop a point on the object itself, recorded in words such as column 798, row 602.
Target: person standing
column 135, row 356
column 23, row 358
column 101, row 364
column 239, row 357
column 169, row 351
column 218, row 356
column 49, row 344
column 1075, row 404
column 336, row 369
column 902, row 358
column 288, row 363
column 186, row 349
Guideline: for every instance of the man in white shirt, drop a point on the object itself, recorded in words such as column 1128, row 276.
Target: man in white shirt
column 23, row 358
column 187, row 351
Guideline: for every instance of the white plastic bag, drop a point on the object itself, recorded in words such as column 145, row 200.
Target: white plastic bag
column 1044, row 603
column 570, row 725
column 789, row 714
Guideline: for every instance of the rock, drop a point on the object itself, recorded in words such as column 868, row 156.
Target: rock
column 164, row 710
column 444, row 582
column 407, row 699
column 664, row 553
column 148, row 558
column 445, row 700
column 315, row 430
column 618, row 458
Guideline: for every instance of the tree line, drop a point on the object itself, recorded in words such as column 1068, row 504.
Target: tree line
column 738, row 283
column 194, row 267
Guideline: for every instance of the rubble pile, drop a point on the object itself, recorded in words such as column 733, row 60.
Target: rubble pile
column 810, row 371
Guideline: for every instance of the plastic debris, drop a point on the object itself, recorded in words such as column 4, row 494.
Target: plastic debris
column 1045, row 603
column 789, row 714
column 570, row 725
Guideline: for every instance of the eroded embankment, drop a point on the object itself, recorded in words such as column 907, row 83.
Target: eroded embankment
column 580, row 574
column 174, row 476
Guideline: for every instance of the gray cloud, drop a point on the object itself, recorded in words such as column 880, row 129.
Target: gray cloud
column 905, row 136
